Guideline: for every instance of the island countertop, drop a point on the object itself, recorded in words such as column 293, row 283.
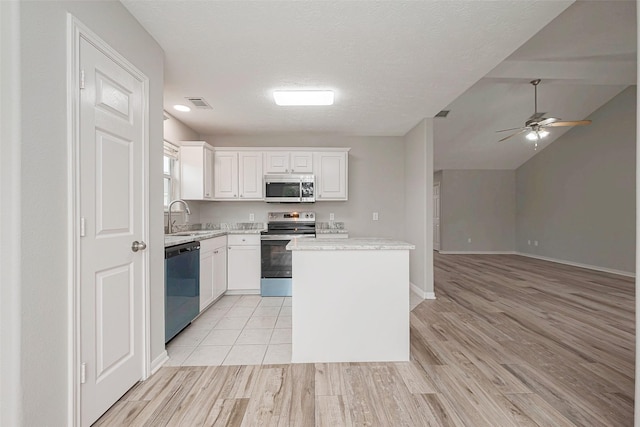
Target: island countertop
column 351, row 244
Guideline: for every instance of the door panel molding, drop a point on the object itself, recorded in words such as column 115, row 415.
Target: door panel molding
column 76, row 31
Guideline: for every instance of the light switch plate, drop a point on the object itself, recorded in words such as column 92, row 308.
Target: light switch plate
column 375, row 216
column 252, row 217
column 331, row 217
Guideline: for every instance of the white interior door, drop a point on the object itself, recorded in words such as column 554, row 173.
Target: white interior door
column 436, row 217
column 111, row 208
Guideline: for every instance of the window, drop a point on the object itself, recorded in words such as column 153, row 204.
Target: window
column 170, row 170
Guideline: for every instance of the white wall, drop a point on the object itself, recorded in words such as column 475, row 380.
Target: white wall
column 418, row 206
column 479, row 205
column 376, row 184
column 577, row 196
column 45, row 285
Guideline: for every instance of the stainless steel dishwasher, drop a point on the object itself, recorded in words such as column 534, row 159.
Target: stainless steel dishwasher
column 182, row 287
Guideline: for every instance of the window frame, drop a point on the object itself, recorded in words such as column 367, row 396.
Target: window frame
column 171, row 151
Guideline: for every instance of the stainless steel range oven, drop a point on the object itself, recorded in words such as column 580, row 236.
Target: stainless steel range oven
column 276, row 259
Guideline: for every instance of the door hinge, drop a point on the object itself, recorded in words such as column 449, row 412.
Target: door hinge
column 83, row 373
column 83, row 228
column 81, row 79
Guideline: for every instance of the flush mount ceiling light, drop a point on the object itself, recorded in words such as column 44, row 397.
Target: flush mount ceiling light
column 180, row 107
column 303, row 97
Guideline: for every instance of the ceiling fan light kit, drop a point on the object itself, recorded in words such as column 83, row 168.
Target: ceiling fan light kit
column 537, row 123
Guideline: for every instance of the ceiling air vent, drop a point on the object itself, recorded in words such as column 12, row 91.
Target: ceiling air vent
column 199, row 103
column 443, row 114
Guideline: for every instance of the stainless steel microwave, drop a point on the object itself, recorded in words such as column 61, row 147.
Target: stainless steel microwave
column 289, row 188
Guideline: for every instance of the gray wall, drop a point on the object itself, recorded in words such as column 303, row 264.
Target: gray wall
column 478, row 205
column 577, row 197
column 418, row 207
column 45, row 283
column 376, row 184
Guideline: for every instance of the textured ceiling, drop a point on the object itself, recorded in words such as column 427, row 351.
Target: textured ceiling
column 393, row 63
column 390, row 63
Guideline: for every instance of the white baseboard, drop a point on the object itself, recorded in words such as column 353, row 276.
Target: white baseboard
column 422, row 294
column 578, row 264
column 478, row 252
column 242, row 292
column 159, row 361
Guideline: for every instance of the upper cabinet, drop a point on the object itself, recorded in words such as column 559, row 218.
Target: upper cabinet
column 238, row 172
column 281, row 162
column 196, row 170
column 238, row 175
column 331, row 171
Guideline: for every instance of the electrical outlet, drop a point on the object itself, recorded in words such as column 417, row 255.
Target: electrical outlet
column 535, row 243
column 331, row 217
column 252, row 217
column 375, row 216
column 529, row 242
column 469, row 240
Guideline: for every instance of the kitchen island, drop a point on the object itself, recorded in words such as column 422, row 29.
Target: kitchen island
column 350, row 300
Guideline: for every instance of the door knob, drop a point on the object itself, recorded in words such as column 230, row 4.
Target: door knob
column 138, row 246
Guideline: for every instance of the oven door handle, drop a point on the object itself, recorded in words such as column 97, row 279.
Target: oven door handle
column 286, row 236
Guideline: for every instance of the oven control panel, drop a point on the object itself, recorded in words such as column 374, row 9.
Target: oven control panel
column 291, row 216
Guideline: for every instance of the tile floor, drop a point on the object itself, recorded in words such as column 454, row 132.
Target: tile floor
column 236, row 330
column 239, row 330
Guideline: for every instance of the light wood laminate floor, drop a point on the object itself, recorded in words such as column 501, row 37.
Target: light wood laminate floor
column 510, row 341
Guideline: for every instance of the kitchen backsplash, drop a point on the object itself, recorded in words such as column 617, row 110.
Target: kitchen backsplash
column 220, row 226
column 331, row 225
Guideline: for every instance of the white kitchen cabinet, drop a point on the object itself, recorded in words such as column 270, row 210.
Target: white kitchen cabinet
column 196, row 170
column 331, row 171
column 280, row 162
column 213, row 270
column 238, row 175
column 225, row 169
column 243, row 264
column 250, row 175
column 220, row 269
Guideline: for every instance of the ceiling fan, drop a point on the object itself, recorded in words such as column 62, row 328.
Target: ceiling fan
column 537, row 123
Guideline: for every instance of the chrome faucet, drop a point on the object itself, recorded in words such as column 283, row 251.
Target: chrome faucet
column 170, row 225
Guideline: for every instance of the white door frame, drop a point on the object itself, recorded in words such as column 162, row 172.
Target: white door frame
column 437, row 184
column 75, row 31
column 11, row 389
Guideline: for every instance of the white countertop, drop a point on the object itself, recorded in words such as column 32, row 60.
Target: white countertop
column 196, row 236
column 331, row 231
column 353, row 244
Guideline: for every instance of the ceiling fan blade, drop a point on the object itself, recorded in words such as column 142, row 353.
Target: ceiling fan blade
column 505, row 130
column 548, row 121
column 536, row 116
column 570, row 123
column 514, row 134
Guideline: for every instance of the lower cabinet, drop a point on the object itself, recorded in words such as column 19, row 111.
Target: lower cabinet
column 244, row 263
column 213, row 270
